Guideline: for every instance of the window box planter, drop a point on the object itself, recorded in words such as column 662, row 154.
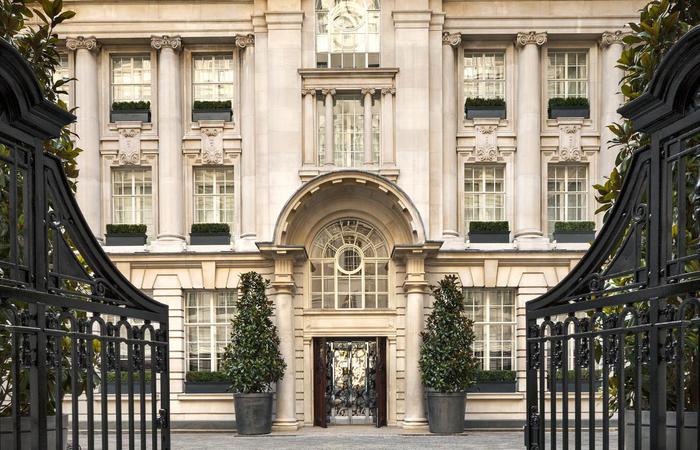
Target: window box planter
column 493, row 386
column 569, row 107
column 126, row 235
column 574, row 232
column 489, row 233
column 211, row 110
column 130, row 112
column 210, row 234
column 485, row 108
column 207, row 387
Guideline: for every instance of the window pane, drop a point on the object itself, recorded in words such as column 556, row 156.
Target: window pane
column 212, row 77
column 567, row 74
column 484, row 193
column 484, row 75
column 493, row 313
column 208, row 317
column 214, row 195
column 131, row 78
column 131, row 197
column 567, row 193
column 347, row 33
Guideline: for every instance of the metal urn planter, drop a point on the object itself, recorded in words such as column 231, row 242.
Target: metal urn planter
column 446, row 412
column 253, row 413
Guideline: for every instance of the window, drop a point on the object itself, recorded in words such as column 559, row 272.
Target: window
column 484, row 75
column 567, row 194
column 349, row 267
column 208, row 316
column 212, row 77
column 213, row 195
column 347, row 33
column 567, row 74
column 484, row 193
column 131, row 78
column 62, row 73
column 493, row 313
column 132, row 197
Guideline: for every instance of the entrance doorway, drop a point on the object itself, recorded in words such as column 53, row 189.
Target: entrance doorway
column 350, row 381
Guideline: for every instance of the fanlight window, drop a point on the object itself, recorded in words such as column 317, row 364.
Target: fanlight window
column 349, row 267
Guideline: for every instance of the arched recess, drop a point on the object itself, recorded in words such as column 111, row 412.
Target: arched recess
column 350, row 193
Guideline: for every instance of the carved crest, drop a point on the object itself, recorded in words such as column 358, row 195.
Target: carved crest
column 212, row 146
column 129, row 146
column 570, row 143
column 486, row 144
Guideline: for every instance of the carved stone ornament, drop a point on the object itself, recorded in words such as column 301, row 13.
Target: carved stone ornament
column 531, row 37
column 570, row 143
column 453, row 39
column 311, row 92
column 160, row 42
column 82, row 43
column 388, row 91
column 245, row 40
column 486, row 146
column 129, row 146
column 328, row 91
column 212, row 145
column 365, row 91
column 612, row 37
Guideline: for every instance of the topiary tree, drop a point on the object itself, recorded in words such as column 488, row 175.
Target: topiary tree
column 447, row 361
column 252, row 360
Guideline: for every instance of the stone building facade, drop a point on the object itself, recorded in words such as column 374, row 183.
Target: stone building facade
column 348, row 172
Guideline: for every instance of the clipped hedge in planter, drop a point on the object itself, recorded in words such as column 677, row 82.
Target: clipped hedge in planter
column 494, row 381
column 569, row 107
column 130, row 112
column 210, row 234
column 489, row 232
column 485, row 108
column 211, row 110
column 568, row 232
column 124, row 382
column 206, row 382
column 126, row 234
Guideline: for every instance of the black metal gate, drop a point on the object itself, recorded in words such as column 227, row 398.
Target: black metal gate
column 83, row 354
column 613, row 357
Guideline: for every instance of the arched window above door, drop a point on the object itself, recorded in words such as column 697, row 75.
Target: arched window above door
column 349, row 262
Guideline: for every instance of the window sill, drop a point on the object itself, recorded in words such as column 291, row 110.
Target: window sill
column 365, row 312
column 387, row 171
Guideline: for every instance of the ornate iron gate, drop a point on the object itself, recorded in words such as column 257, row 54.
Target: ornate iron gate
column 83, row 354
column 614, row 347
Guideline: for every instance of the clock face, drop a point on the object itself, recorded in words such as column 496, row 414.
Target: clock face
column 346, row 19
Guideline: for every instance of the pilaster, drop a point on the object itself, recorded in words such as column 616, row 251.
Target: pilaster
column 246, row 50
column 450, row 235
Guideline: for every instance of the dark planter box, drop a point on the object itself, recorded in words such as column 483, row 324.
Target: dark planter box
column 212, row 114
column 689, row 432
column 130, row 115
column 498, row 112
column 112, row 389
column 26, row 430
column 253, row 413
column 446, row 412
column 489, row 237
column 210, row 238
column 574, row 236
column 126, row 239
column 494, row 386
column 556, row 112
column 211, row 387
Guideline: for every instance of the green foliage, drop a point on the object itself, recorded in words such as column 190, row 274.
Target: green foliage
column 478, row 101
column 204, row 105
column 124, row 376
column 252, row 360
column 574, row 227
column 206, row 377
column 141, row 105
column 124, row 228
column 208, row 228
column 481, row 227
column 568, row 102
column 447, row 362
column 30, row 27
column 495, row 376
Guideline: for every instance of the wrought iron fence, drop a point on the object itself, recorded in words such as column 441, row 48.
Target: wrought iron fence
column 83, row 354
column 613, row 358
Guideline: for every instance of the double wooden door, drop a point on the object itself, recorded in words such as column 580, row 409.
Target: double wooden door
column 350, row 381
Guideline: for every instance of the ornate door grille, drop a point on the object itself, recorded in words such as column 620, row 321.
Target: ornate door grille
column 83, row 354
column 615, row 344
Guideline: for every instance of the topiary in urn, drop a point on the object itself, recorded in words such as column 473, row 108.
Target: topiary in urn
column 447, row 362
column 252, row 360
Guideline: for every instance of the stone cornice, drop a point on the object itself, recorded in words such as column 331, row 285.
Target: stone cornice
column 452, row 39
column 82, row 43
column 245, row 40
column 612, row 37
column 531, row 37
column 160, row 42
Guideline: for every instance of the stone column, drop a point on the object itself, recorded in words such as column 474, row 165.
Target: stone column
column 246, row 46
column 88, row 130
column 387, row 157
column 415, row 287
column 450, row 232
column 528, row 228
column 171, row 224
column 283, row 286
column 367, row 135
column 309, row 128
column 328, row 103
column 611, row 48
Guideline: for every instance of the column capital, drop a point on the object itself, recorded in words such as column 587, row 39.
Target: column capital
column 82, row 43
column 388, row 91
column 328, row 91
column 609, row 38
column 530, row 37
column 366, row 91
column 160, row 42
column 308, row 91
column 451, row 39
column 245, row 40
